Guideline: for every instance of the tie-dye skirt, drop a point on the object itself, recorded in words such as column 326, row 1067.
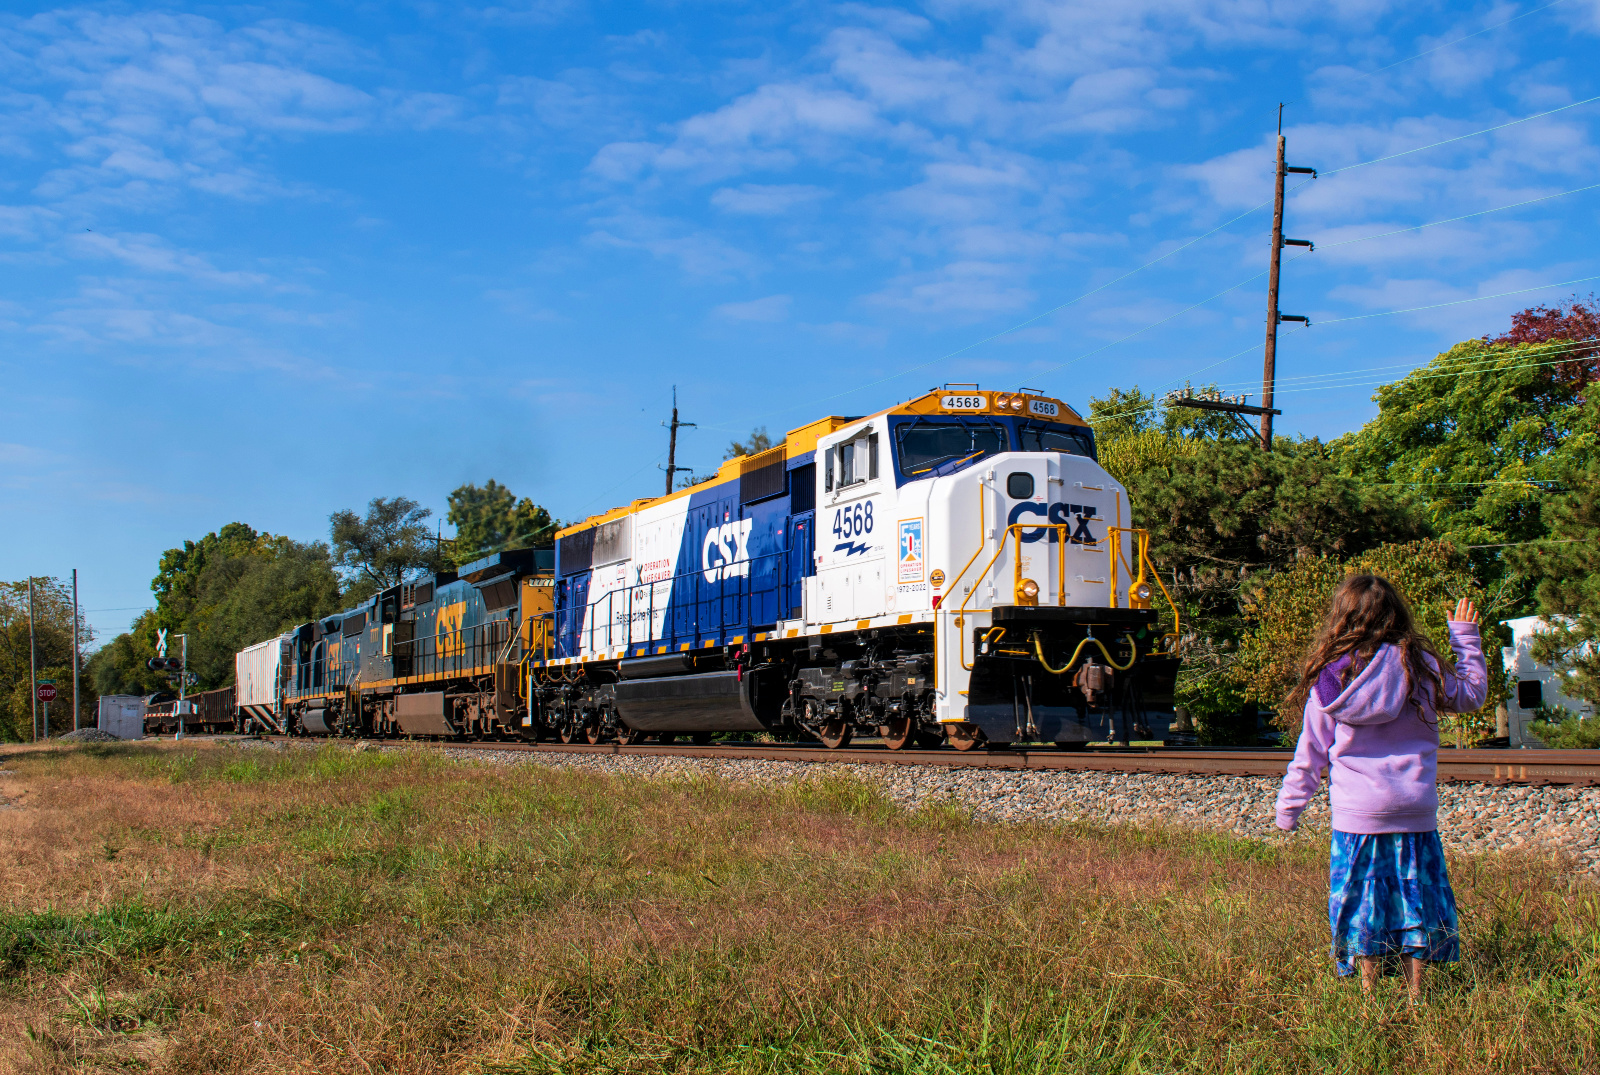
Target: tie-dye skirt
column 1389, row 895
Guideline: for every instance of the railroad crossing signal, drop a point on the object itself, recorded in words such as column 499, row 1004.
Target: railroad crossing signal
column 46, row 690
column 164, row 664
column 161, row 644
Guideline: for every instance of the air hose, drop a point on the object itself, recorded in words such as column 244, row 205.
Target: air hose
column 1038, row 651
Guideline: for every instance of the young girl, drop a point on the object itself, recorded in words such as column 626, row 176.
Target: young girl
column 1372, row 688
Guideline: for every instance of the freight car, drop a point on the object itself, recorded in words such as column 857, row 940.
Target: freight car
column 206, row 713
column 957, row 569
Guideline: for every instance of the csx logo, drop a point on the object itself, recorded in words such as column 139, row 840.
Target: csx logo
column 726, row 552
column 1058, row 515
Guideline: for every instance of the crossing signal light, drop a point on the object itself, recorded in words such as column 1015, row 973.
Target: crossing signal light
column 164, row 664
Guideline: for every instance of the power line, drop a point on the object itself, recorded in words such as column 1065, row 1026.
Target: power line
column 1460, row 137
column 1457, row 302
column 1454, row 219
column 1468, row 364
column 1457, row 41
column 1476, row 361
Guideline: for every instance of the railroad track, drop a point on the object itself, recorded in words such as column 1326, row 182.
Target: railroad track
column 1539, row 767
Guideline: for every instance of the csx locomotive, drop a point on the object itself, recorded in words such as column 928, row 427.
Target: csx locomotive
column 956, row 569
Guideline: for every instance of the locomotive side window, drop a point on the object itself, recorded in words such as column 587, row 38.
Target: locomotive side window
column 847, row 464
column 872, row 457
column 922, row 446
column 827, row 471
column 1042, row 438
column 1019, row 486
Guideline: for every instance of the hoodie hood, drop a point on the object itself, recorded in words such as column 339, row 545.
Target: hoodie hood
column 1378, row 695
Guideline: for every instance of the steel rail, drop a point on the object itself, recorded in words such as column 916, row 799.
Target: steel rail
column 1566, row 767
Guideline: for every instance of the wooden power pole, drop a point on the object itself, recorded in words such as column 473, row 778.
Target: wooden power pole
column 1269, row 367
column 672, row 441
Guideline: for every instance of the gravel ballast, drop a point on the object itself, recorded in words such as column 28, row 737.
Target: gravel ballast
column 1472, row 817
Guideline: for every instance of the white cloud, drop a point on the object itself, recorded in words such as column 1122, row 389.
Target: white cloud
column 756, row 199
column 772, row 309
column 961, row 289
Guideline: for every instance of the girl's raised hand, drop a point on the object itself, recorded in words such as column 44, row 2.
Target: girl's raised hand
column 1465, row 612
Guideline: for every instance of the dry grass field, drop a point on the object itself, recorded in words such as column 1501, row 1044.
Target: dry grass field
column 209, row 909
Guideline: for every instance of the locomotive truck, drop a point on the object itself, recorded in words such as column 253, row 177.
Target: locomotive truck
column 956, row 569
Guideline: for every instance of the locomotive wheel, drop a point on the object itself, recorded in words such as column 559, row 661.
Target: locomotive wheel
column 836, row 733
column 902, row 733
column 592, row 732
column 568, row 734
column 626, row 736
column 965, row 736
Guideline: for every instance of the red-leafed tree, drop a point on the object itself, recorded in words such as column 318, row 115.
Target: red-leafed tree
column 1574, row 321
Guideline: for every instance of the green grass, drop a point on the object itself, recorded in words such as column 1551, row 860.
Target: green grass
column 394, row 912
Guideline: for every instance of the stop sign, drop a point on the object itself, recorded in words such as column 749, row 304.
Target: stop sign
column 47, row 692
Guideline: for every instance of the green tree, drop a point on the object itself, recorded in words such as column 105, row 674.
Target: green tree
column 118, row 667
column 1476, row 437
column 179, row 570
column 489, row 518
column 1283, row 613
column 243, row 591
column 52, row 635
column 755, row 444
column 1566, row 568
column 384, row 548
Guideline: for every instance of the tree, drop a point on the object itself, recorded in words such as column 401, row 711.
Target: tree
column 1284, row 611
column 391, row 544
column 1574, row 323
column 52, row 640
column 1477, row 437
column 491, row 519
column 245, row 592
column 757, row 443
column 179, row 570
column 1566, row 567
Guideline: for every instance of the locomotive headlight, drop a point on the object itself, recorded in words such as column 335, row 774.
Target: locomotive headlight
column 1016, row 403
column 1140, row 595
column 1027, row 592
column 1001, row 402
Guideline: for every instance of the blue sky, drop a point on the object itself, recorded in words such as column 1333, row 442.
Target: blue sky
column 267, row 261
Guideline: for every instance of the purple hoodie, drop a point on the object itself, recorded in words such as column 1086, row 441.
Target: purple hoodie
column 1383, row 748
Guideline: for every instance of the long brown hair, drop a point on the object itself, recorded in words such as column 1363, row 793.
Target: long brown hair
column 1365, row 612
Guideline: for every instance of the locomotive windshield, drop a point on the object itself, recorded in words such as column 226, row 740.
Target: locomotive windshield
column 924, row 445
column 1036, row 437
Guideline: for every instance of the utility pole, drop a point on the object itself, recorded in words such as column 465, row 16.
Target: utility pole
column 183, row 682
column 75, row 709
column 1269, row 369
column 672, row 441
column 33, row 664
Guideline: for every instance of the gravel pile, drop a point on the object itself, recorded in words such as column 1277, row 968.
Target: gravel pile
column 1472, row 817
column 90, row 735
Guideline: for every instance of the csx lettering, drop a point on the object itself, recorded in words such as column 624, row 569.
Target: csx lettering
column 1058, row 515
column 726, row 551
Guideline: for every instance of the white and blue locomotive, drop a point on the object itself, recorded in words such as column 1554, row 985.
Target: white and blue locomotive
column 956, row 569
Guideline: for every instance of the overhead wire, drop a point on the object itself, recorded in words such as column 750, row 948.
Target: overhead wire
column 1475, row 364
column 1154, row 261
